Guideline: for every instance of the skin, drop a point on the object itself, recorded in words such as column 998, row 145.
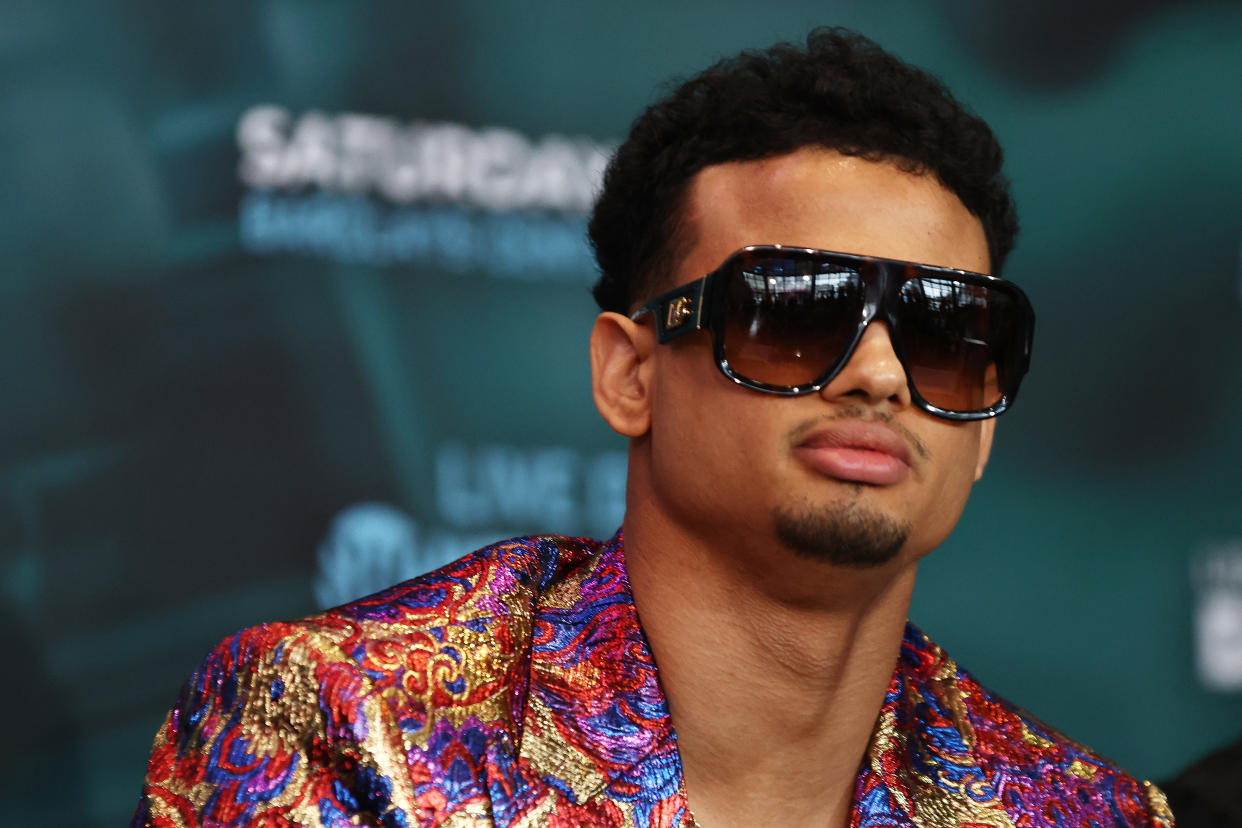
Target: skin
column 773, row 733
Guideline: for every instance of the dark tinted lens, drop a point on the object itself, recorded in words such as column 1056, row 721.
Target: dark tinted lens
column 788, row 320
column 956, row 339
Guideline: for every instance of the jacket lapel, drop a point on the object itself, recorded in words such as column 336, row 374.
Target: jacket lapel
column 597, row 745
column 596, row 728
column 921, row 768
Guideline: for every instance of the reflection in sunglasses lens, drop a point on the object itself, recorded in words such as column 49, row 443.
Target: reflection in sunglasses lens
column 949, row 337
column 788, row 320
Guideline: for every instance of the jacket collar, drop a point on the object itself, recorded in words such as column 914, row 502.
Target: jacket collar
column 596, row 721
column 921, row 766
column 596, row 724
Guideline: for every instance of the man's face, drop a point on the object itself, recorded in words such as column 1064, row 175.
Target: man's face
column 735, row 465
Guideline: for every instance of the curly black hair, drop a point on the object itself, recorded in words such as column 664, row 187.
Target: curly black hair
column 842, row 92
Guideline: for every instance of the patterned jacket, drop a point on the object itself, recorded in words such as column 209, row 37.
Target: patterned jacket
column 516, row 688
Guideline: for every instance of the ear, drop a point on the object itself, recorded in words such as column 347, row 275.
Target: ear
column 987, row 431
column 620, row 372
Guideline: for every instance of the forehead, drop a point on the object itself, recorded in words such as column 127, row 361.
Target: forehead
column 820, row 198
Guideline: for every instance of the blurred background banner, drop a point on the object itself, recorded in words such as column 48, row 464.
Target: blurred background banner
column 296, row 300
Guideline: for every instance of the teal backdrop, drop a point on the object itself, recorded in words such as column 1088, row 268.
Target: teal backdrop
column 295, row 302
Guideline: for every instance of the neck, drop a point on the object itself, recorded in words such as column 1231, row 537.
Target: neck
column 774, row 667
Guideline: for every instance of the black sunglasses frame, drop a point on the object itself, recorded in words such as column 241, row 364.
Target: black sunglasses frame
column 700, row 305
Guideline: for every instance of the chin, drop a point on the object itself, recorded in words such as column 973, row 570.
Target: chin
column 851, row 535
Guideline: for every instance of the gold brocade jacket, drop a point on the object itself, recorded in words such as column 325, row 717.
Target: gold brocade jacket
column 515, row 687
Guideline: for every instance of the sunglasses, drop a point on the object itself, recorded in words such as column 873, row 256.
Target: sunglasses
column 785, row 320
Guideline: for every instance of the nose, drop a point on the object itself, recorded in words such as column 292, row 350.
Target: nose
column 873, row 372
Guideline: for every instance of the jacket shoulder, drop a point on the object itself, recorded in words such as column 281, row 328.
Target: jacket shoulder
column 484, row 598
column 360, row 709
column 1045, row 768
column 1037, row 771
column 457, row 635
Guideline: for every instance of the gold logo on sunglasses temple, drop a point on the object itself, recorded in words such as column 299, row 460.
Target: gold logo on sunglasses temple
column 679, row 310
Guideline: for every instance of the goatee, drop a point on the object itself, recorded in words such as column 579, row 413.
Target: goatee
column 850, row 535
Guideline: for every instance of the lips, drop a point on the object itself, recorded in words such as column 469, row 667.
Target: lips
column 856, row 452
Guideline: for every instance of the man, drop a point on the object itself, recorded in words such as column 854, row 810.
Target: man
column 801, row 345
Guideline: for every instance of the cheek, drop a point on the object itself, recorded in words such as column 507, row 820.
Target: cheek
column 948, row 488
column 704, row 430
column 681, row 436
